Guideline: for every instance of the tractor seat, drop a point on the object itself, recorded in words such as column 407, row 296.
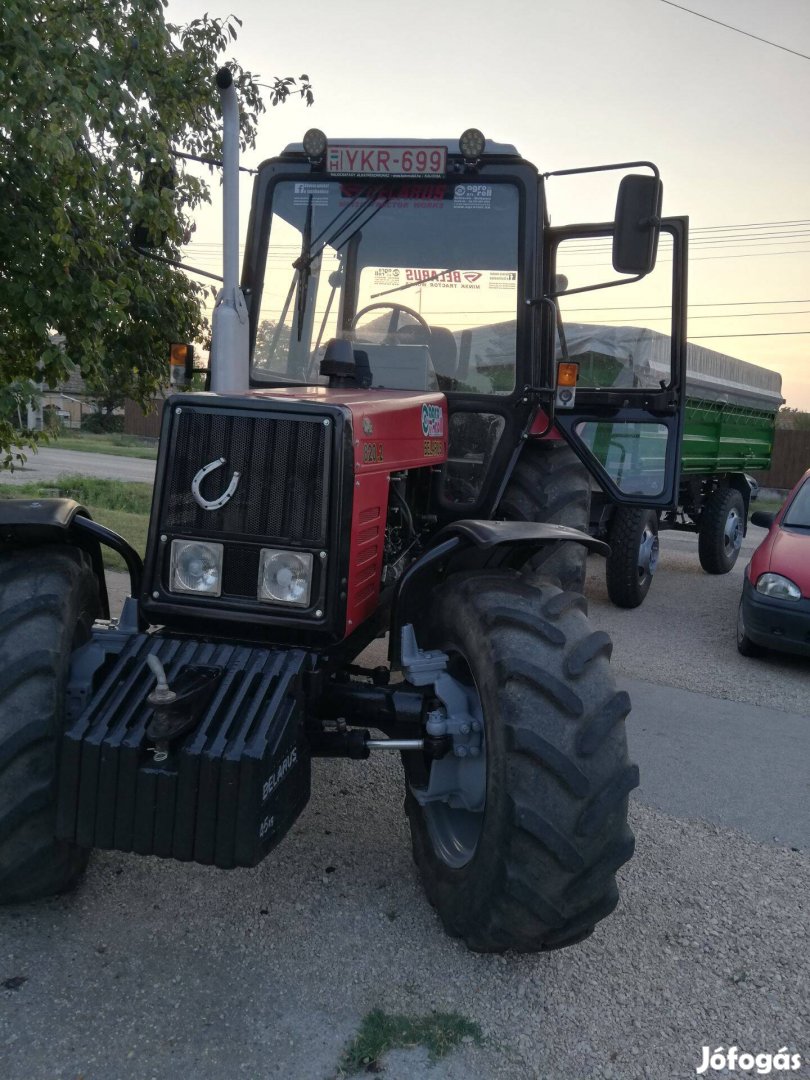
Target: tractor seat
column 443, row 351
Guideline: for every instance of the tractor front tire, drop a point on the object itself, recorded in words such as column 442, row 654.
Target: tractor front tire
column 721, row 529
column 535, row 869
column 629, row 568
column 550, row 484
column 48, row 601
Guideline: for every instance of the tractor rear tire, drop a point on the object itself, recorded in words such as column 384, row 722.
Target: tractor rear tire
column 540, row 870
column 550, row 484
column 48, row 601
column 721, row 530
column 629, row 569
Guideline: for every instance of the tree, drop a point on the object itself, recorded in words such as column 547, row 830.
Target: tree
column 793, row 418
column 93, row 95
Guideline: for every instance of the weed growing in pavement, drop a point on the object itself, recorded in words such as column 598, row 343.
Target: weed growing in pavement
column 381, row 1031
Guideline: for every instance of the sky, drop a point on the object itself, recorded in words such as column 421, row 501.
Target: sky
column 575, row 83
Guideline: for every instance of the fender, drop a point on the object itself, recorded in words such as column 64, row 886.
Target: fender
column 473, row 544
column 34, row 522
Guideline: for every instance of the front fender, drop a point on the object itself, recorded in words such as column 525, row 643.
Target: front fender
column 35, row 522
column 473, row 544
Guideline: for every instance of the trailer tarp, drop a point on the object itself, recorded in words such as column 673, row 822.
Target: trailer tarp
column 645, row 356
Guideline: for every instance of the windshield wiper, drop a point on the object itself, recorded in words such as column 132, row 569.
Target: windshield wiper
column 303, row 265
column 400, row 288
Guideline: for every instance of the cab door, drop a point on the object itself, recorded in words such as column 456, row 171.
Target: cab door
column 624, row 416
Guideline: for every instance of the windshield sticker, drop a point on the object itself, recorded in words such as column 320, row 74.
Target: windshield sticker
column 319, row 193
column 445, row 279
column 503, row 279
column 432, row 421
column 386, row 275
column 397, row 196
column 472, row 197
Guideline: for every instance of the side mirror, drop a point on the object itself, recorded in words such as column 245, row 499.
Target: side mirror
column 763, row 519
column 637, row 224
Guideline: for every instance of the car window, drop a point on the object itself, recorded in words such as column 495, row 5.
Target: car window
column 798, row 513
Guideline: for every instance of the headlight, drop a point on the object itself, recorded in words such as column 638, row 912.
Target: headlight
column 285, row 576
column 196, row 567
column 781, row 588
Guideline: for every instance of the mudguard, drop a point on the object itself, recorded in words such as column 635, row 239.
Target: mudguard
column 33, row 522
column 472, row 544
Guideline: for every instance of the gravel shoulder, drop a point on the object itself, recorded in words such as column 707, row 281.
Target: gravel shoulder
column 159, row 969
column 162, row 970
column 684, row 632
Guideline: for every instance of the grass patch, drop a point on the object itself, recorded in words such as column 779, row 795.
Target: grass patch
column 122, row 507
column 381, row 1031
column 114, row 443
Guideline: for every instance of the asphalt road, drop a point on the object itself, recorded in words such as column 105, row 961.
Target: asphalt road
column 50, row 463
column 157, row 969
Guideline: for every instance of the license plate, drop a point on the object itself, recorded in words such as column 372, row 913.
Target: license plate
column 347, row 160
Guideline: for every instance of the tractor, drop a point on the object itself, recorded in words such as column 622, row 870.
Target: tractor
column 394, row 444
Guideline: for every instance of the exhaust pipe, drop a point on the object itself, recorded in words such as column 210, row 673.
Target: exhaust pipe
column 230, row 336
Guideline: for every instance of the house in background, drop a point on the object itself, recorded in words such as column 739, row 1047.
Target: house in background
column 69, row 401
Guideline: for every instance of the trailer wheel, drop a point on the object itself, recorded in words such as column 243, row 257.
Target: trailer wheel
column 722, row 524
column 535, row 868
column 550, row 484
column 629, row 568
column 48, row 601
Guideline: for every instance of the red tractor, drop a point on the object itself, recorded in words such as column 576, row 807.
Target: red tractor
column 394, row 443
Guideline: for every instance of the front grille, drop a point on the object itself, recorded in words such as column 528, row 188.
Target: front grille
column 284, row 482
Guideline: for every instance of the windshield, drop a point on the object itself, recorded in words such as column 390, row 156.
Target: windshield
column 421, row 277
column 798, row 513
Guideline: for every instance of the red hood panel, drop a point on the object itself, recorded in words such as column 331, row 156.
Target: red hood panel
column 790, row 556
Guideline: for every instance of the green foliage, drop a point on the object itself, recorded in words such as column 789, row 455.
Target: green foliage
column 380, row 1032
column 15, row 398
column 93, row 93
column 794, row 419
column 99, row 423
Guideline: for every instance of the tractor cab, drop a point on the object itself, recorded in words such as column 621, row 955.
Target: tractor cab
column 430, row 265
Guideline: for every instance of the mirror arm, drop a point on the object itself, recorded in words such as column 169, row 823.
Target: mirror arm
column 604, row 285
column 607, row 168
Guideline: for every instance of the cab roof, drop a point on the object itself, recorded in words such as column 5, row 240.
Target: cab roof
column 491, row 147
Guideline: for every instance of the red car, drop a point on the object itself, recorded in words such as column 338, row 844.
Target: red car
column 775, row 604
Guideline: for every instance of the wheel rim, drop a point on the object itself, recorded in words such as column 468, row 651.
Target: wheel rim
column 453, row 830
column 647, row 553
column 732, row 533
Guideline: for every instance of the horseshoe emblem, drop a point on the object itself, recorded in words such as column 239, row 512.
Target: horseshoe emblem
column 226, row 495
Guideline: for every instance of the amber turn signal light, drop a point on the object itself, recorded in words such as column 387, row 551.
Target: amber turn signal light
column 567, row 374
column 181, row 363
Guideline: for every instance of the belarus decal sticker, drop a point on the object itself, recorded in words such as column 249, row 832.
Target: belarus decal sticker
column 432, row 421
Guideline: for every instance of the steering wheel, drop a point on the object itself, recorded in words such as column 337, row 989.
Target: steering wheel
column 393, row 323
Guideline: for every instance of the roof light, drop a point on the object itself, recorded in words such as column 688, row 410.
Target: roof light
column 471, row 144
column 314, row 144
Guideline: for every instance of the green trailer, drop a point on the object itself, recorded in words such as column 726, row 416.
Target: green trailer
column 729, row 426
